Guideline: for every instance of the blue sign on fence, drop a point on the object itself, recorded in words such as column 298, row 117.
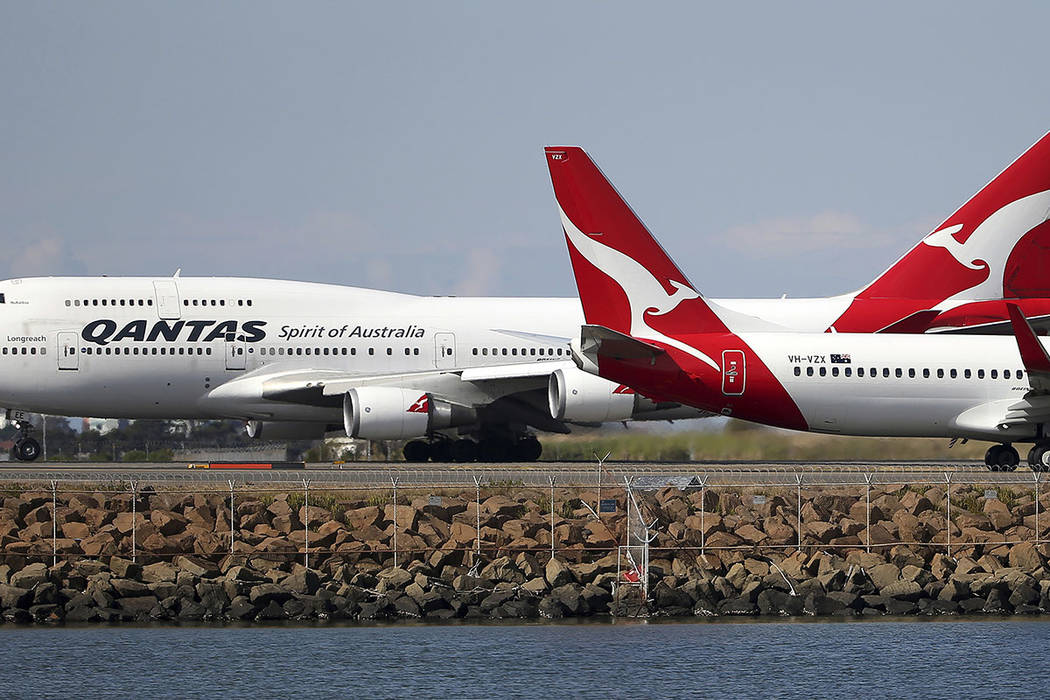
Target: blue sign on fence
column 607, row 505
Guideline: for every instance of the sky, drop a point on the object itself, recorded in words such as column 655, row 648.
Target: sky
column 773, row 148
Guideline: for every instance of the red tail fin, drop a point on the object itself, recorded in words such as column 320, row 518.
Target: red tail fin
column 989, row 249
column 626, row 281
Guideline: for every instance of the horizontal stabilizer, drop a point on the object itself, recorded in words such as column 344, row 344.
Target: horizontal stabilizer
column 1033, row 354
column 599, row 340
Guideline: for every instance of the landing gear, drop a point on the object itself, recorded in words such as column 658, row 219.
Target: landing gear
column 464, row 450
column 1039, row 458
column 1002, row 458
column 527, row 449
column 25, row 449
column 416, row 451
column 441, row 450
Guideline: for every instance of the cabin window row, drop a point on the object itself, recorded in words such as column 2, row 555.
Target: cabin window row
column 109, row 350
column 274, row 351
column 22, row 351
column 514, row 351
column 214, row 302
column 926, row 373
column 109, row 302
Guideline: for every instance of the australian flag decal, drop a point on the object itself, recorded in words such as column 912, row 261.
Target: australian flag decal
column 840, row 359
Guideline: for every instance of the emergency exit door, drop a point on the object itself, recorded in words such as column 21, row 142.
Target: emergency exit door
column 68, row 350
column 734, row 372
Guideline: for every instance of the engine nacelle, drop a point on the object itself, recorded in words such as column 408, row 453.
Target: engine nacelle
column 285, row 430
column 580, row 397
column 393, row 413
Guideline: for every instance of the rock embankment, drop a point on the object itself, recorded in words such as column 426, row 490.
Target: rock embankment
column 716, row 553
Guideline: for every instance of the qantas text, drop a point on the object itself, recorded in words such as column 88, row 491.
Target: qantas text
column 104, row 331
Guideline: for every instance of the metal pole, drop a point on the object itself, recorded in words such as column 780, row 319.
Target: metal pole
column 394, row 480
column 601, row 463
column 43, row 419
column 703, row 510
column 230, row 482
column 867, row 510
column 477, row 513
column 134, row 517
column 798, row 478
column 1037, row 479
column 948, row 498
column 306, row 520
column 54, row 523
column 552, row 515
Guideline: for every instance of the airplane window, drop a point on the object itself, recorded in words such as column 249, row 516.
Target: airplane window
column 135, row 351
column 240, row 302
column 926, row 373
column 474, row 351
column 885, row 372
column 389, row 351
column 94, row 302
column 127, row 351
column 834, row 370
column 371, row 351
column 513, row 351
column 954, row 374
column 112, row 302
column 154, row 351
column 68, row 303
column 415, row 351
column 5, row 351
column 532, row 351
column 307, row 351
column 208, row 351
column 1006, row 374
column 484, row 351
column 299, row 351
column 550, row 351
column 994, row 374
column 848, row 371
column 1020, row 375
column 222, row 302
column 911, row 373
column 898, row 373
column 798, row 371
column 408, row 351
column 122, row 302
column 149, row 302
column 809, row 371
column 823, row 371
column 504, row 351
column 76, row 302
column 249, row 302
column 860, row 371
column 103, row 302
column 966, row 373
column 213, row 302
column 108, row 350
column 344, row 351
column 980, row 374
column 140, row 302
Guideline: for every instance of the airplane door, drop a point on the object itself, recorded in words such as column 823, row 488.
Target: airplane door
column 68, row 350
column 235, row 354
column 734, row 372
column 444, row 350
column 167, row 292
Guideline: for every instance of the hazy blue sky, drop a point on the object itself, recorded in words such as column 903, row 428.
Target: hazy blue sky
column 782, row 147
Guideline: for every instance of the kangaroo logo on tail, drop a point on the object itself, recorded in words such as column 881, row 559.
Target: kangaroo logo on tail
column 645, row 294
column 991, row 243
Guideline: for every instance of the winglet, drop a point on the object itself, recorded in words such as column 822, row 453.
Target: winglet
column 1033, row 354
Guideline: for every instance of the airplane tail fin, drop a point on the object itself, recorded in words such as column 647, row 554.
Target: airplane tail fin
column 627, row 283
column 989, row 248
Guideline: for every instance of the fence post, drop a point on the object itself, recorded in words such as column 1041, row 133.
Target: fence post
column 798, row 478
column 948, row 498
column 552, row 515
column 867, row 510
column 601, row 463
column 703, row 509
column 306, row 520
column 477, row 513
column 393, row 481
column 54, row 523
column 134, row 517
column 1038, row 477
column 230, row 482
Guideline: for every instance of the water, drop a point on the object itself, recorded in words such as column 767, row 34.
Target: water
column 876, row 659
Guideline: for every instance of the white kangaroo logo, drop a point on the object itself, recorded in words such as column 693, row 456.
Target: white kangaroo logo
column 645, row 294
column 991, row 243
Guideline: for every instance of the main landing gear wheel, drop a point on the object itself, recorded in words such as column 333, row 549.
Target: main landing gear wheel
column 464, row 450
column 416, row 451
column 1039, row 458
column 527, row 449
column 1001, row 458
column 441, row 451
column 26, row 449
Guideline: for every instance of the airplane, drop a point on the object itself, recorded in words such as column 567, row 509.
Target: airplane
column 648, row 327
column 954, row 280
column 459, row 378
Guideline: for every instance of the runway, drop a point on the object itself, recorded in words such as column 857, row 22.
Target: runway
column 643, row 475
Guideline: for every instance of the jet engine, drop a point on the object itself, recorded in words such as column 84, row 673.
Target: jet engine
column 393, row 413
column 580, row 397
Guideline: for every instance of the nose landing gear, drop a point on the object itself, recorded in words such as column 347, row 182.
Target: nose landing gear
column 1001, row 458
column 26, row 448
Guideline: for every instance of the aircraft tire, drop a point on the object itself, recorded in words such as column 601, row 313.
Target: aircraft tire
column 416, row 451
column 494, row 449
column 527, row 449
column 27, row 449
column 440, row 451
column 1008, row 458
column 991, row 457
column 464, row 450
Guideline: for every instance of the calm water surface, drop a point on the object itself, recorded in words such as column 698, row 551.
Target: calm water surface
column 876, row 659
